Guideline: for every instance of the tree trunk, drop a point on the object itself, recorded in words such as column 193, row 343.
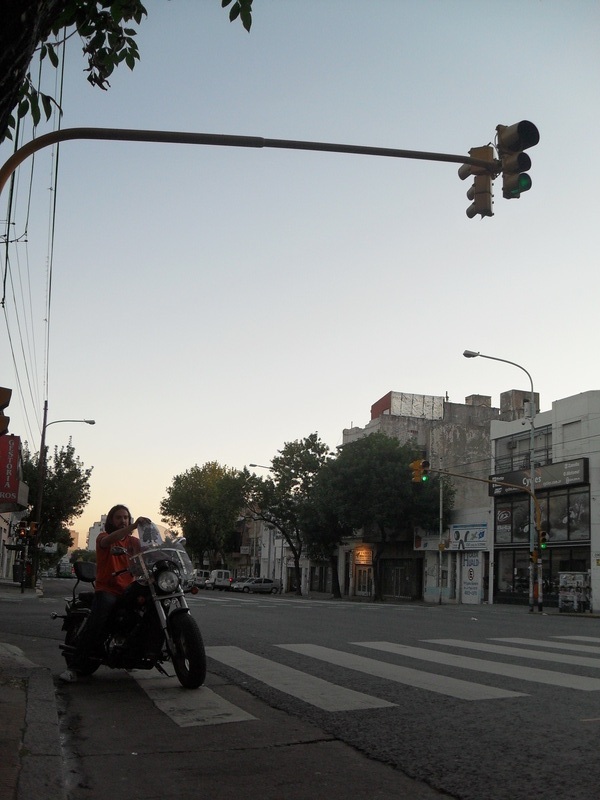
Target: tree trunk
column 335, row 578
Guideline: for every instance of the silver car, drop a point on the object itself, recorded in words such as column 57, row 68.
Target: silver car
column 265, row 585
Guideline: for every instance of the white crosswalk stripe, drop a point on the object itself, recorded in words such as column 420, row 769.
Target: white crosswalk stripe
column 516, row 652
column 491, row 667
column 316, row 691
column 206, row 707
column 580, row 648
column 464, row 690
column 188, row 708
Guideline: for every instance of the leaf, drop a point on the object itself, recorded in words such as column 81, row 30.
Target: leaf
column 52, row 56
column 246, row 17
column 35, row 109
column 47, row 103
column 23, row 108
column 234, row 13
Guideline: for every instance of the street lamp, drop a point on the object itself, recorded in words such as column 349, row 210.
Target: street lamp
column 42, row 459
column 532, row 506
column 262, row 466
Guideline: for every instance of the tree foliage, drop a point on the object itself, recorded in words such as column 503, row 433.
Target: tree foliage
column 106, row 28
column 205, row 503
column 65, row 494
column 283, row 499
column 369, row 487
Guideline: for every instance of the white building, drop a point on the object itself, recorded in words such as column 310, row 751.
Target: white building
column 567, row 488
column 93, row 532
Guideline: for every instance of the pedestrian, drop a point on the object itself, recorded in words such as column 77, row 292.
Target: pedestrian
column 114, row 546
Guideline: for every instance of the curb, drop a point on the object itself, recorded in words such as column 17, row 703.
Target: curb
column 40, row 772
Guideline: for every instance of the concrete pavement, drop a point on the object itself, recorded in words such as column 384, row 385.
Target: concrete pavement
column 30, row 754
column 33, row 765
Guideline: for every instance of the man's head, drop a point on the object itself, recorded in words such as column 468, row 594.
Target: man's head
column 118, row 517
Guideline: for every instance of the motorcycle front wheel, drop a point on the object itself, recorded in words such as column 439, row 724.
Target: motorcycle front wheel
column 189, row 658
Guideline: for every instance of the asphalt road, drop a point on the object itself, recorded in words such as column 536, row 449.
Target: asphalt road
column 473, row 701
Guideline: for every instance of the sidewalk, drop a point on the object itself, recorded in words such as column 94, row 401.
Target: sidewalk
column 30, row 751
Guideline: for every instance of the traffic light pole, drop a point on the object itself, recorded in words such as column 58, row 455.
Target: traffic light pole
column 535, row 553
column 222, row 140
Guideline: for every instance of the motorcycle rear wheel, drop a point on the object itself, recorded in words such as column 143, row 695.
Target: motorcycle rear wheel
column 189, row 658
column 82, row 666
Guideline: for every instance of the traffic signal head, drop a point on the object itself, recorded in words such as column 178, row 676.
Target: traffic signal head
column 5, row 395
column 33, row 529
column 480, row 193
column 512, row 141
column 22, row 533
column 417, row 471
column 543, row 540
column 420, row 470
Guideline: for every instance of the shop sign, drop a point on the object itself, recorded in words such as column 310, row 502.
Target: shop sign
column 471, row 578
column 565, row 473
column 363, row 556
column 468, row 537
column 10, row 451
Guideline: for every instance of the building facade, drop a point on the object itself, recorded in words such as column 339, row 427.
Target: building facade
column 566, row 487
column 452, row 565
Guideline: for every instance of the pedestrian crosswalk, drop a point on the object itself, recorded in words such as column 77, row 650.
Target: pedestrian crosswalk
column 319, row 676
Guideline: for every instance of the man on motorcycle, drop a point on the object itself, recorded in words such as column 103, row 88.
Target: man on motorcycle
column 114, row 546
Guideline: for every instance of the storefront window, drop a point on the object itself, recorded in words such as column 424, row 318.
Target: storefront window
column 513, row 571
column 565, row 517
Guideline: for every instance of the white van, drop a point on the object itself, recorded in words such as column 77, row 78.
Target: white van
column 219, row 579
column 202, row 575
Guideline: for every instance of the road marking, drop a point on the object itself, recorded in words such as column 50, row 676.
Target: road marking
column 491, row 667
column 188, row 707
column 464, row 690
column 580, row 638
column 317, row 692
column 536, row 655
column 580, row 648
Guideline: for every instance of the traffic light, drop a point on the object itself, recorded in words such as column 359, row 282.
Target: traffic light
column 420, row 470
column 543, row 540
column 512, row 141
column 417, row 471
column 5, row 395
column 22, row 534
column 480, row 193
column 33, row 528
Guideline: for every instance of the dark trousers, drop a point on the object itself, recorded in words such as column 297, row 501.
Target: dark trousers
column 91, row 638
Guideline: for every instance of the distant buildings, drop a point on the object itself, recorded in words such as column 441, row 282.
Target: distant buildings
column 485, row 553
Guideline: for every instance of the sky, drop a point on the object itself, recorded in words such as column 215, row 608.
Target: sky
column 213, row 303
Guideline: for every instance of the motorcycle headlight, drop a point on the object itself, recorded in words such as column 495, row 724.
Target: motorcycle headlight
column 167, row 581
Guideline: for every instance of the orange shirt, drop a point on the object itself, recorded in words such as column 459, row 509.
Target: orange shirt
column 107, row 562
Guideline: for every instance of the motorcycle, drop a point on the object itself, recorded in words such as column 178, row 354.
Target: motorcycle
column 151, row 623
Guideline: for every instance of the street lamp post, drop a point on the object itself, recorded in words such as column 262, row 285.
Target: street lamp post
column 532, row 506
column 42, row 464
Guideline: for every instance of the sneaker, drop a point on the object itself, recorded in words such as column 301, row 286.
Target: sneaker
column 68, row 676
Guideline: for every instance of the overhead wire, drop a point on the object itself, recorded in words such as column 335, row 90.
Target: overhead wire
column 21, row 293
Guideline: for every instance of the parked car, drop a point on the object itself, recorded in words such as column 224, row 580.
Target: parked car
column 202, row 575
column 239, row 583
column 219, row 579
column 264, row 585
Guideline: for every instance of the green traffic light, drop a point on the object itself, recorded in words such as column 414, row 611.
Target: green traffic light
column 525, row 182
column 520, row 183
column 424, row 478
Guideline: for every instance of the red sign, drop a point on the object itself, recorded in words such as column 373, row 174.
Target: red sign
column 10, row 452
